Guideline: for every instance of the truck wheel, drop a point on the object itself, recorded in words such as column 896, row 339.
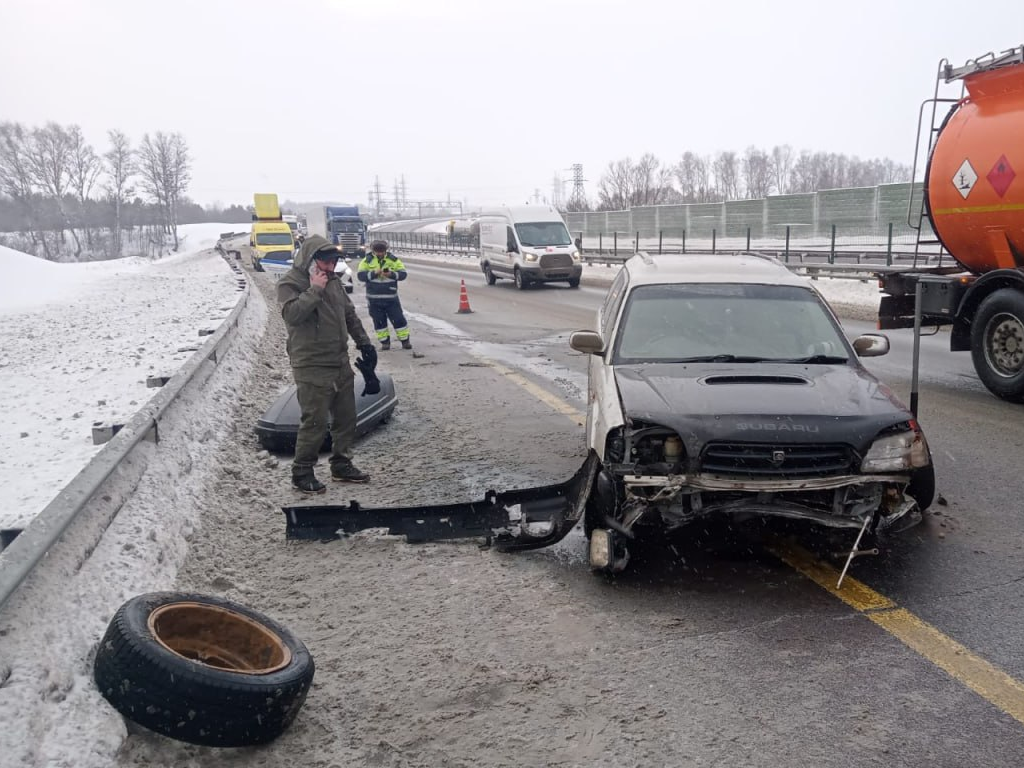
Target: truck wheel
column 997, row 344
column 202, row 669
column 491, row 279
column 574, row 282
column 520, row 280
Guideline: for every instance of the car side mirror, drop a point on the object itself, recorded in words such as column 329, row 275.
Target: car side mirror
column 871, row 345
column 587, row 342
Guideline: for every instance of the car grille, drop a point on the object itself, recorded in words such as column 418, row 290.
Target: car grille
column 776, row 460
column 348, row 242
column 555, row 260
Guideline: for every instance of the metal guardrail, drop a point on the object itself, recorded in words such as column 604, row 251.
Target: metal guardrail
column 36, row 540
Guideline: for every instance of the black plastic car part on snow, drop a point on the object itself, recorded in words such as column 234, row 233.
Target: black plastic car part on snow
column 511, row 521
column 278, row 426
column 202, row 669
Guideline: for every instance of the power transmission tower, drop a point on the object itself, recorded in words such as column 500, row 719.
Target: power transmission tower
column 398, row 196
column 578, row 196
column 404, row 198
column 376, row 193
column 556, row 191
column 536, row 195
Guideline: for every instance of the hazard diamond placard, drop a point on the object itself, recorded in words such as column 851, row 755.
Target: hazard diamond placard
column 965, row 178
column 1001, row 175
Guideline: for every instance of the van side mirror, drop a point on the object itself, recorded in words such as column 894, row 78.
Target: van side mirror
column 587, row 342
column 512, row 247
column 871, row 345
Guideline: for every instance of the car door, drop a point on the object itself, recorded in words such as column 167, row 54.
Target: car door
column 604, row 412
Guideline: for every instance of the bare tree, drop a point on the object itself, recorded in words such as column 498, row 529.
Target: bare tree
column 616, row 186
column 17, row 179
column 782, row 167
column 83, row 171
column 652, row 181
column 726, row 170
column 119, row 163
column 50, row 157
column 758, row 176
column 165, row 170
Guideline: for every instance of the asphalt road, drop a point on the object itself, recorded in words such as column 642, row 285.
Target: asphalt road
column 717, row 649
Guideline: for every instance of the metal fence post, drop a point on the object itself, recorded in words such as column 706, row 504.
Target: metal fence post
column 888, row 248
column 832, row 249
column 787, row 243
column 714, row 237
column 748, row 238
column 684, row 241
column 615, row 244
column 600, row 243
column 636, row 247
column 660, row 233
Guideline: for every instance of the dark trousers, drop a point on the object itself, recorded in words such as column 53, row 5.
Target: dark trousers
column 323, row 395
column 382, row 310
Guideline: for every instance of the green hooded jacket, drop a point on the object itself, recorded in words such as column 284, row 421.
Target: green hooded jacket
column 319, row 320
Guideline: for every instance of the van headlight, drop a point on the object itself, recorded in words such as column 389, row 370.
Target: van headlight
column 896, row 452
column 575, row 255
column 529, row 256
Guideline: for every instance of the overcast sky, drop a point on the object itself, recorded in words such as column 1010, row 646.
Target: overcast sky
column 313, row 99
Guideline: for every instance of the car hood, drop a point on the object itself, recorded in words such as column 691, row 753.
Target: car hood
column 760, row 402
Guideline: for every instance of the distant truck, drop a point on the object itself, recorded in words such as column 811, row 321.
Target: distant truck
column 529, row 244
column 342, row 225
column 271, row 237
column 974, row 200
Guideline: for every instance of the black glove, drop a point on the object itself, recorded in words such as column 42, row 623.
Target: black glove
column 369, row 355
column 371, row 384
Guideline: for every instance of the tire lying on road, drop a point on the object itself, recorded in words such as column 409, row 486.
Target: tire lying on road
column 202, row 669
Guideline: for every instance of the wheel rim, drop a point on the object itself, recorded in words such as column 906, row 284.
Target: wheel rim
column 1004, row 344
column 217, row 637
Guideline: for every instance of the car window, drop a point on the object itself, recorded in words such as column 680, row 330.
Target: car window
column 612, row 302
column 774, row 322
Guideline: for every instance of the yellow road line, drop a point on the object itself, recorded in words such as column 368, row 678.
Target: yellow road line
column 540, row 393
column 962, row 664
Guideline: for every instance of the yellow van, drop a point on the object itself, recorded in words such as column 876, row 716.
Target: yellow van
column 270, row 240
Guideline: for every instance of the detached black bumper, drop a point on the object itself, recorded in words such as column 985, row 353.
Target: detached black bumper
column 524, row 519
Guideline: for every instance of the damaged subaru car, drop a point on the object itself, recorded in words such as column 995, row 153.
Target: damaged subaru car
column 723, row 386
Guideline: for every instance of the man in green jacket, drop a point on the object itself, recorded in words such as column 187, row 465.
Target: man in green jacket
column 320, row 318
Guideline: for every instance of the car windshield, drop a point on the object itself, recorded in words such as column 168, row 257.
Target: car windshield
column 274, row 238
column 347, row 226
column 541, row 233
column 727, row 323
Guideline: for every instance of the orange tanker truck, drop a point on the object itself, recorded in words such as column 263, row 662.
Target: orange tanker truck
column 974, row 201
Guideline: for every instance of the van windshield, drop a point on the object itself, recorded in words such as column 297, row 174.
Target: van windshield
column 541, row 233
column 274, row 238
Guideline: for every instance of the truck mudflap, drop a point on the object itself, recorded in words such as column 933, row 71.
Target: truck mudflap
column 511, row 521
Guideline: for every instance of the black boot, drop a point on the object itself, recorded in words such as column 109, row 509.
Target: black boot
column 308, row 484
column 406, row 344
column 347, row 472
column 386, row 344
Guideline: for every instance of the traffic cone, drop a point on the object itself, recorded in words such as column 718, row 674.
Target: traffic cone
column 463, row 300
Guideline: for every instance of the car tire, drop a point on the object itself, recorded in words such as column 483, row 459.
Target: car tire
column 202, row 669
column 489, row 275
column 921, row 487
column 997, row 344
column 574, row 282
column 521, row 282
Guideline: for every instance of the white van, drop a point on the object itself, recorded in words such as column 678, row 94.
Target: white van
column 528, row 244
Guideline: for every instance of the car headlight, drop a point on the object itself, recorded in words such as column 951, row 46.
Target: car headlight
column 530, row 256
column 575, row 255
column 896, row 452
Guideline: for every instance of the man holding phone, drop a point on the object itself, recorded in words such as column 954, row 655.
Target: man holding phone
column 320, row 318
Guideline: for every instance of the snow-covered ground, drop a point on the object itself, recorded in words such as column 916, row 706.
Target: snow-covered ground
column 80, row 342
